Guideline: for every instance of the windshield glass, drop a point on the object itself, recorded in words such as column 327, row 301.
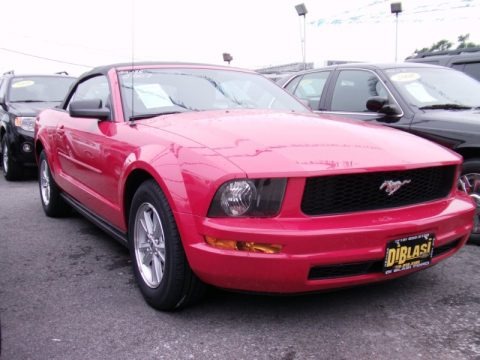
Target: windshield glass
column 39, row 88
column 162, row 91
column 427, row 87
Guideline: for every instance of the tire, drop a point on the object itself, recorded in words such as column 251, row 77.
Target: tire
column 469, row 169
column 52, row 203
column 160, row 266
column 11, row 169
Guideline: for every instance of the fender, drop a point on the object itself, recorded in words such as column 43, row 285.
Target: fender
column 178, row 178
column 42, row 136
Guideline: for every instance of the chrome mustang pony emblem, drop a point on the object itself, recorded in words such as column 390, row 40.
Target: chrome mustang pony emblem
column 391, row 186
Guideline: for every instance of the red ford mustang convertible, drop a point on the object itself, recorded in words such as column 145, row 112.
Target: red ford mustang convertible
column 213, row 175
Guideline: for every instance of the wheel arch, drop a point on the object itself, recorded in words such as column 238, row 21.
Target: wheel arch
column 132, row 183
column 38, row 149
column 175, row 192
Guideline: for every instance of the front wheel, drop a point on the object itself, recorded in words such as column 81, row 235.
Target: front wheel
column 52, row 203
column 159, row 262
column 11, row 170
column 470, row 183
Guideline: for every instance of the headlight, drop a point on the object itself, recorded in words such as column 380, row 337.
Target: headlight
column 25, row 122
column 261, row 197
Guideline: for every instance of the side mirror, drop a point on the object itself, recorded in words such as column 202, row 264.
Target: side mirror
column 376, row 103
column 2, row 103
column 380, row 104
column 92, row 109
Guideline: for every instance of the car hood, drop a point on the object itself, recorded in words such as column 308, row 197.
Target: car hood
column 458, row 120
column 30, row 108
column 262, row 142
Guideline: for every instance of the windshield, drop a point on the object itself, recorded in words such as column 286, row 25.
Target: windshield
column 431, row 87
column 167, row 91
column 39, row 88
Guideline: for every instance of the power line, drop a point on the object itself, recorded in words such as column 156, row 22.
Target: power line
column 374, row 12
column 44, row 58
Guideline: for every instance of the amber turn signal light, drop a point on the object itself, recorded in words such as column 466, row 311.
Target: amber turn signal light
column 243, row 245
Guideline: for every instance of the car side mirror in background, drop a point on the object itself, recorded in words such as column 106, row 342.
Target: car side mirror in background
column 380, row 104
column 92, row 109
column 376, row 103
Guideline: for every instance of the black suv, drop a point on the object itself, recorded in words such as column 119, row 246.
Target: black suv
column 466, row 60
column 21, row 99
column 435, row 102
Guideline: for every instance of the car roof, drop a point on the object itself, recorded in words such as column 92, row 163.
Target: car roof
column 462, row 52
column 384, row 66
column 104, row 69
column 357, row 65
column 379, row 66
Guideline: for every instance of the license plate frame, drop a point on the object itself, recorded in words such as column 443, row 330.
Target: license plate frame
column 408, row 253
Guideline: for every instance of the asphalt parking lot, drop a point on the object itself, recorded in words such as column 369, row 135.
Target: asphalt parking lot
column 67, row 292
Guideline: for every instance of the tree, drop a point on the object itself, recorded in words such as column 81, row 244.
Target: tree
column 464, row 43
column 422, row 50
column 443, row 45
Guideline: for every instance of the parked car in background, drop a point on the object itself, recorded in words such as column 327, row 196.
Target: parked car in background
column 21, row 98
column 437, row 103
column 466, row 60
column 215, row 175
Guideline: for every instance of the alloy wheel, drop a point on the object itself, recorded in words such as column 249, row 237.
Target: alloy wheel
column 149, row 243
column 45, row 182
column 5, row 157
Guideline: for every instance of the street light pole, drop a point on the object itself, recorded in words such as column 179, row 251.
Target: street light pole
column 302, row 11
column 305, row 40
column 396, row 8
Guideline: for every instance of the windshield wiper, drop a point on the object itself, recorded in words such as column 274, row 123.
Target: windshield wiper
column 147, row 116
column 445, row 107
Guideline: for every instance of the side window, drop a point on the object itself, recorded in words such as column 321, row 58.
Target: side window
column 93, row 88
column 458, row 67
column 473, row 69
column 353, row 88
column 3, row 87
column 292, row 84
column 310, row 88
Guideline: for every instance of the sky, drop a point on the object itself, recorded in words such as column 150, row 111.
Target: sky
column 79, row 35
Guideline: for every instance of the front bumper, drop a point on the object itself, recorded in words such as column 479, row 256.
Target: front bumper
column 18, row 141
column 313, row 243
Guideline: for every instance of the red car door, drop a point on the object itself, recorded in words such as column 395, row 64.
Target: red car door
column 90, row 156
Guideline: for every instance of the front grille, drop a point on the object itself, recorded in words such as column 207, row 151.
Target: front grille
column 359, row 192
column 369, row 267
column 334, row 271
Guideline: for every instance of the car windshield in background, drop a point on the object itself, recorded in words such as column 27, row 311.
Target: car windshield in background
column 39, row 88
column 428, row 88
column 167, row 91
